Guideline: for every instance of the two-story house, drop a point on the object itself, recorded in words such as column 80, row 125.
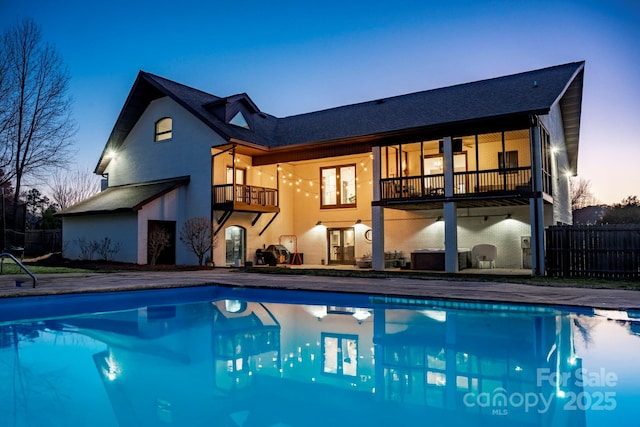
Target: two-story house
column 433, row 172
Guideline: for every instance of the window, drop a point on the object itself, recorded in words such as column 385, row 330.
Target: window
column 239, row 120
column 508, row 160
column 164, row 129
column 338, row 186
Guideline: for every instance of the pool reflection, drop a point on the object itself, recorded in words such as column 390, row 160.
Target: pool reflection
column 252, row 363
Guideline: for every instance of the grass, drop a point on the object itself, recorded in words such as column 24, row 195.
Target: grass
column 9, row 267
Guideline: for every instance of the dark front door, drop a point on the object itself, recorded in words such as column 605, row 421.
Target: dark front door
column 341, row 244
column 161, row 242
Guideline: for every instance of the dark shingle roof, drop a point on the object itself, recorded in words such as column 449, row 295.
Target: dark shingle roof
column 530, row 92
column 124, row 198
column 533, row 92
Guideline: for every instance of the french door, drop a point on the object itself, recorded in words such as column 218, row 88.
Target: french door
column 341, row 244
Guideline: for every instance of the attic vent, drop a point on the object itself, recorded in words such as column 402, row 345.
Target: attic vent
column 239, row 120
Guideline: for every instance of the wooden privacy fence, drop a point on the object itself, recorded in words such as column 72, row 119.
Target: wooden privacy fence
column 594, row 251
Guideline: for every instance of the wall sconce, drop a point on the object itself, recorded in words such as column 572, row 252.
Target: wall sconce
column 319, row 223
column 438, row 219
column 358, row 221
column 508, row 216
column 486, row 218
column 361, row 314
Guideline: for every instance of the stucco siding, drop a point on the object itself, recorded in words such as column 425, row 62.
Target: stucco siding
column 140, row 159
column 120, row 228
column 560, row 168
column 165, row 208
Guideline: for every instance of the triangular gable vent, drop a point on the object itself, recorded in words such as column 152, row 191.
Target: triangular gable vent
column 239, row 120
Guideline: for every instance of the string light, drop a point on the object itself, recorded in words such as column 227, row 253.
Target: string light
column 290, row 177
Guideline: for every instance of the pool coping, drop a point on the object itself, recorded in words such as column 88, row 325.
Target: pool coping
column 447, row 289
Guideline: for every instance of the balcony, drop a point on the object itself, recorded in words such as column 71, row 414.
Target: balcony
column 244, row 198
column 513, row 183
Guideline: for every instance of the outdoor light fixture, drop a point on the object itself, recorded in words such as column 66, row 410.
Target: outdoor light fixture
column 508, row 216
column 358, row 221
column 438, row 219
column 486, row 218
column 319, row 223
column 361, row 314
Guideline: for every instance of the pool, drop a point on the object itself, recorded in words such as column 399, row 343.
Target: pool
column 228, row 356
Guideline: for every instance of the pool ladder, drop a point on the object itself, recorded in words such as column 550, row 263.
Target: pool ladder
column 4, row 255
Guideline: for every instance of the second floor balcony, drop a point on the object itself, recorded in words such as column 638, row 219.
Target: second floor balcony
column 245, row 198
column 504, row 182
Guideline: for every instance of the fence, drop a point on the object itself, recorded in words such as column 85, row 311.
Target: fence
column 594, row 251
column 39, row 242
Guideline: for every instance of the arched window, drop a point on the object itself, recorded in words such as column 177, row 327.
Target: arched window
column 164, row 129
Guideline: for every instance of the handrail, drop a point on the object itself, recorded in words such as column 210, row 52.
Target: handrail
column 6, row 254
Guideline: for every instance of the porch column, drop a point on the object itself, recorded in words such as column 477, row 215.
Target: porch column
column 450, row 217
column 377, row 217
column 536, row 203
column 450, row 238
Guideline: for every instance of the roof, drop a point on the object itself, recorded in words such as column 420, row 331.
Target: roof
column 124, row 198
column 532, row 92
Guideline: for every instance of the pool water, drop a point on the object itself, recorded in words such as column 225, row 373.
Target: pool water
column 224, row 356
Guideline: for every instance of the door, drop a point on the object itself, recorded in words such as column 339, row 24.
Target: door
column 234, row 237
column 341, row 244
column 161, row 242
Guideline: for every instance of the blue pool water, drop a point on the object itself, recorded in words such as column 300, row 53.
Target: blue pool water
column 222, row 356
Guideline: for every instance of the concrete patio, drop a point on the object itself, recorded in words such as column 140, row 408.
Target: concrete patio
column 486, row 291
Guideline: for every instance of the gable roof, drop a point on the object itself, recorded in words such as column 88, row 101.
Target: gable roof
column 523, row 94
column 124, row 198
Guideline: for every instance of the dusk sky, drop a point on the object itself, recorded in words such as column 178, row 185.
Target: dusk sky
column 295, row 57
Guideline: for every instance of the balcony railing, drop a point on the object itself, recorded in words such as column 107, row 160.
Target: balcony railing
column 497, row 181
column 244, row 196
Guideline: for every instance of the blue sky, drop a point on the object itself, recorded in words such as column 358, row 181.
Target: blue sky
column 294, row 57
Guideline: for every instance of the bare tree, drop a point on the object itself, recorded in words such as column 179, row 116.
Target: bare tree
column 581, row 195
column 72, row 186
column 196, row 235
column 159, row 240
column 37, row 128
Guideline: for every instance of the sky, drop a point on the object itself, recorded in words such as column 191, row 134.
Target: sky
column 293, row 57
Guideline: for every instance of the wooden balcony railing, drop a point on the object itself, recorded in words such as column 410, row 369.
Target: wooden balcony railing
column 497, row 181
column 249, row 197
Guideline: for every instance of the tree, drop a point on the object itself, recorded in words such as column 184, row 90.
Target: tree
column 36, row 129
column 625, row 212
column 72, row 186
column 196, row 235
column 581, row 195
column 159, row 240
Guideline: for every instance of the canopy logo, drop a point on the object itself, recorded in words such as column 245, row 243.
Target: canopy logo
column 563, row 387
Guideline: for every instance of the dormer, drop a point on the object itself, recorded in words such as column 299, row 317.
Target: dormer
column 237, row 110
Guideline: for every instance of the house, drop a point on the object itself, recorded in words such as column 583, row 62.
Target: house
column 428, row 175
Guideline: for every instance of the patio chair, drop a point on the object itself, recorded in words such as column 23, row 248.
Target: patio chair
column 485, row 255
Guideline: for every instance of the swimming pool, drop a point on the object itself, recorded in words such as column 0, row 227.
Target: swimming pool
column 229, row 356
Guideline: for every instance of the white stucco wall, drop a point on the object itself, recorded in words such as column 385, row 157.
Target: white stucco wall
column 187, row 153
column 560, row 168
column 165, row 208
column 122, row 229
